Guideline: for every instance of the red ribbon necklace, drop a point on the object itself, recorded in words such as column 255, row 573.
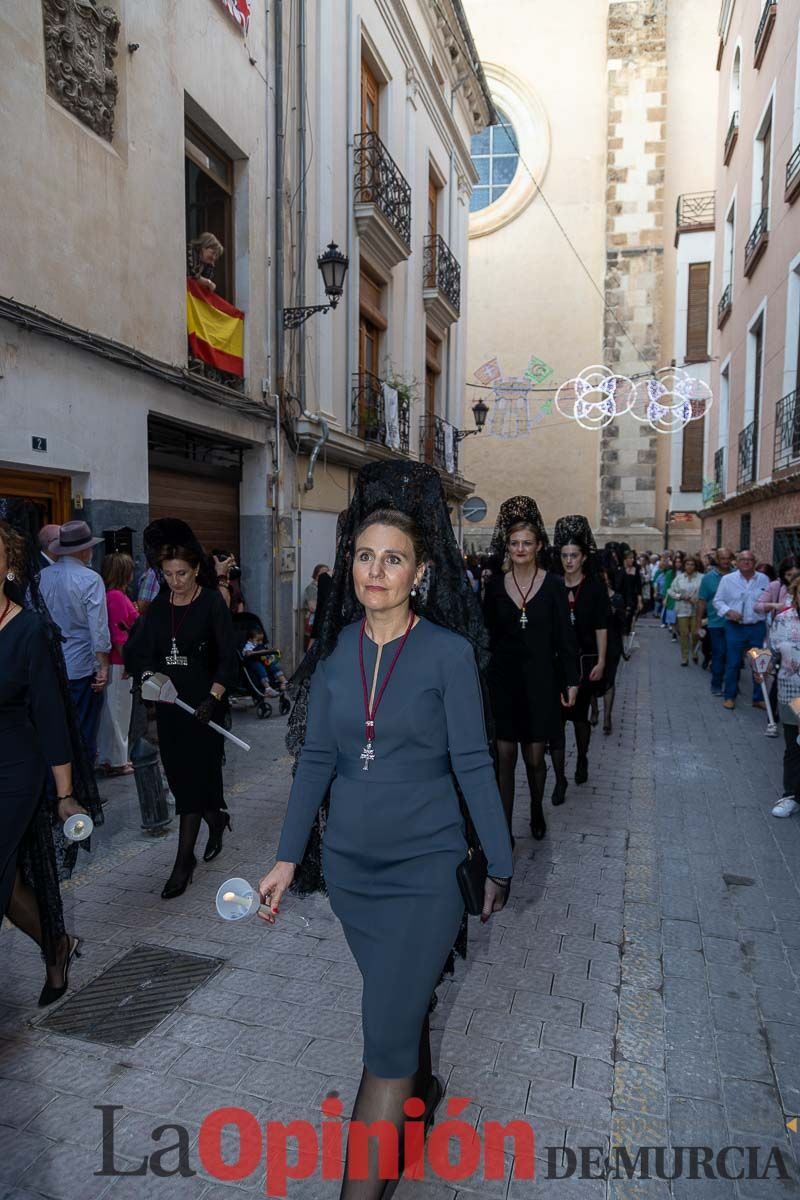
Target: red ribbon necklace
column 370, row 712
column 524, row 618
column 6, row 611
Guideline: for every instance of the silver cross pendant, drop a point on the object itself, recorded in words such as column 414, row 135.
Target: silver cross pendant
column 174, row 659
column 367, row 755
column 523, row 620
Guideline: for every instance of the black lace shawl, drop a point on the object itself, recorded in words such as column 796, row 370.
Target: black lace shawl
column 444, row 598
column 514, row 511
column 46, row 855
column 577, row 531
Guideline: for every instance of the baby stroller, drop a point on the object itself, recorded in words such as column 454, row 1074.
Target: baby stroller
column 257, row 663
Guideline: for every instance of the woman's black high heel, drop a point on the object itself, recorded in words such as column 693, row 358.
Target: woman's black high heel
column 560, row 792
column 50, row 994
column 171, row 890
column 538, row 823
column 214, row 843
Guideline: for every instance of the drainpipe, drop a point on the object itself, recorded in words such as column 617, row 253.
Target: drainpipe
column 301, row 198
column 348, row 348
column 279, row 301
column 279, row 240
column 315, row 419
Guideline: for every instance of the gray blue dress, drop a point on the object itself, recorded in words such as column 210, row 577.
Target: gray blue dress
column 395, row 833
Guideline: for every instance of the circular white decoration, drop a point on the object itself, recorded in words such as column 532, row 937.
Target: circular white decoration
column 595, row 397
column 527, row 115
column 669, row 399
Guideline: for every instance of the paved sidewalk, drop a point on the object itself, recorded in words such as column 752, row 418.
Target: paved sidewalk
column 639, row 989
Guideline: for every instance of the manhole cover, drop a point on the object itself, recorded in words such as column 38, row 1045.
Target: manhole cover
column 132, row 995
column 738, row 880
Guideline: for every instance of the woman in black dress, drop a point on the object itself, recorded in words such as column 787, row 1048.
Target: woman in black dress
column 397, row 654
column 187, row 634
column 629, row 584
column 534, row 654
column 616, row 634
column 36, row 741
column 588, row 610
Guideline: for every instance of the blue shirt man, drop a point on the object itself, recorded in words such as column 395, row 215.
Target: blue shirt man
column 745, row 629
column 76, row 599
column 715, row 623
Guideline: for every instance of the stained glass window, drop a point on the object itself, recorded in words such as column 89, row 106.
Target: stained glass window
column 494, row 153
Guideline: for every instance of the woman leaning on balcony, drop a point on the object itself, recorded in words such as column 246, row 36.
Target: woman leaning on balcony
column 203, row 254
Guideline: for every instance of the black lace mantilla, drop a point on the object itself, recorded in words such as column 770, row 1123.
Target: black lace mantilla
column 445, row 598
column 574, row 530
column 515, row 511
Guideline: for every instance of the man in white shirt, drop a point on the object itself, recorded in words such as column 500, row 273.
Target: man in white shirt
column 744, row 627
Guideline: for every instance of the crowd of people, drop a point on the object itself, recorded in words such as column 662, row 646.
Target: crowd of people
column 718, row 607
column 74, row 651
column 424, row 680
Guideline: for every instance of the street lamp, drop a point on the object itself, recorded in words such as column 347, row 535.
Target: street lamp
column 480, row 412
column 333, row 265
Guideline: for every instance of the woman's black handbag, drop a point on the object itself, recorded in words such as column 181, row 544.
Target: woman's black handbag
column 471, row 875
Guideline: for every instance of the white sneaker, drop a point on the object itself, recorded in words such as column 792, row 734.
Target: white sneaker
column 787, row 806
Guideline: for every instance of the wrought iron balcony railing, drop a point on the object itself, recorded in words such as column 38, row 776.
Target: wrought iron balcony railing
column 768, row 14
column 695, row 210
column 792, row 176
column 442, row 270
column 370, row 419
column 756, row 243
column 787, row 432
column 724, row 306
column 748, row 450
column 235, row 382
column 438, row 443
column 730, row 138
column 379, row 181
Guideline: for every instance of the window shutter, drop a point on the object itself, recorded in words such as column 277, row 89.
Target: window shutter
column 692, row 466
column 697, row 318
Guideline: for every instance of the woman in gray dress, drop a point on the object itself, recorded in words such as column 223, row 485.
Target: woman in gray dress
column 395, row 719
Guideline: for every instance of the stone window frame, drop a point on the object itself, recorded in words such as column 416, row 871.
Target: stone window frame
column 528, row 117
column 494, row 154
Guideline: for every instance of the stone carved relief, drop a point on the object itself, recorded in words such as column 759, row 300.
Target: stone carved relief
column 80, row 42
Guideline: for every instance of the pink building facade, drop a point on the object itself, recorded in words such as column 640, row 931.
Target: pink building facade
column 752, row 442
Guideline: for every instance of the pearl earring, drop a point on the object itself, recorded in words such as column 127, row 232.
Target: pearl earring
column 414, row 590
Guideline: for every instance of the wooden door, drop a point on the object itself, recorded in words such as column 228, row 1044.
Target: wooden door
column 766, row 164
column 52, row 494
column 433, row 369
column 209, row 505
column 697, row 312
column 433, row 229
column 370, row 100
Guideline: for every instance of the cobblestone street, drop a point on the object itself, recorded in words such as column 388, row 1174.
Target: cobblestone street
column 640, row 989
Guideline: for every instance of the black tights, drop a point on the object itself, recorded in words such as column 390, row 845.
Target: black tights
column 187, row 836
column 23, row 911
column 535, row 769
column 583, row 734
column 380, row 1099
column 608, row 706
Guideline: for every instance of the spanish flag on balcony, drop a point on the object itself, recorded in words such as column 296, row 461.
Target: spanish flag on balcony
column 216, row 329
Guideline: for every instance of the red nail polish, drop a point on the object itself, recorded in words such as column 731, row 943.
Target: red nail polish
column 274, row 910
